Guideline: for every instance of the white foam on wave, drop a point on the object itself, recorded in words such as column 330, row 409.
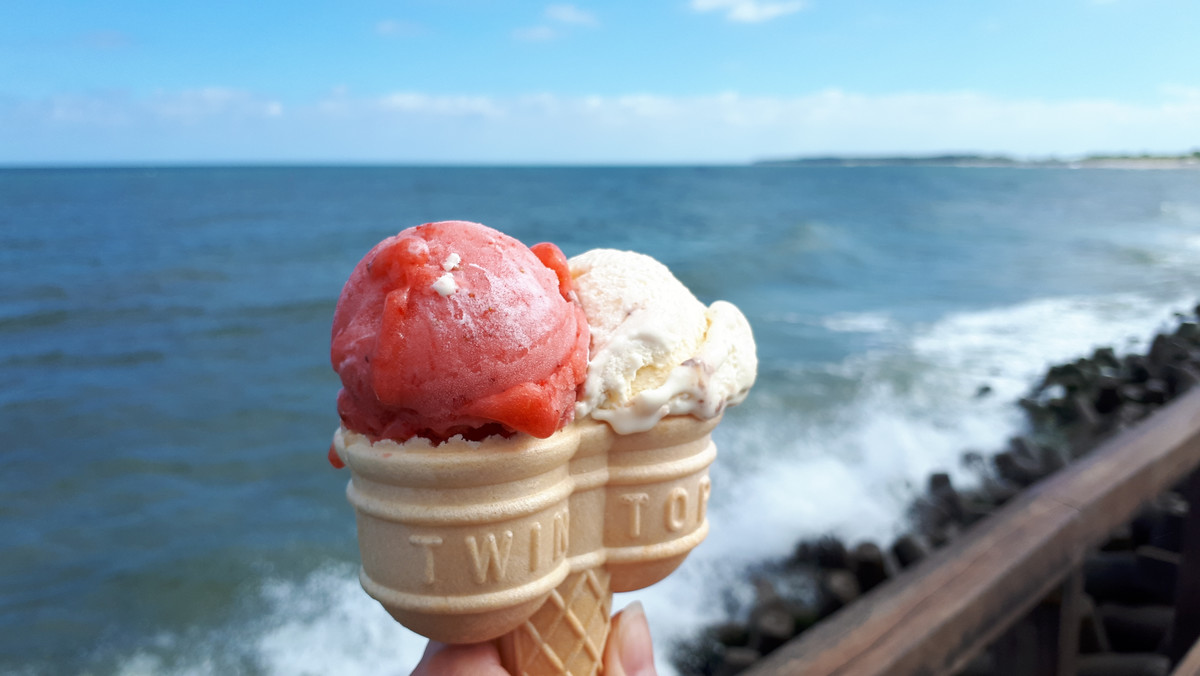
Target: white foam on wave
column 322, row 624
column 328, row 625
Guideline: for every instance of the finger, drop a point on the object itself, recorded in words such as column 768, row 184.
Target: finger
column 629, row 651
column 475, row 659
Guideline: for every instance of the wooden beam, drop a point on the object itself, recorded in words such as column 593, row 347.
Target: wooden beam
column 1186, row 630
column 939, row 614
column 1070, row 613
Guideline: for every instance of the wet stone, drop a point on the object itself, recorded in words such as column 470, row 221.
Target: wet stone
column 1181, row 377
column 1052, row 458
column 1131, row 413
column 1134, row 392
column 1021, row 471
column 1108, row 395
column 944, row 505
column 999, row 490
column 976, row 508
column 1155, row 392
column 831, row 553
column 839, row 589
column 943, row 535
column 1083, row 413
column 908, row 550
column 730, row 633
column 1166, row 350
column 871, row 568
column 825, row 552
column 1188, row 331
column 770, row 626
column 1106, row 357
column 735, row 660
column 1135, row 368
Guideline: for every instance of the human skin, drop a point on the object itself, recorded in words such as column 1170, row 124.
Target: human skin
column 629, row 652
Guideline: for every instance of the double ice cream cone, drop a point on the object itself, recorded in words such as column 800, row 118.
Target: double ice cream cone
column 526, row 434
column 523, row 539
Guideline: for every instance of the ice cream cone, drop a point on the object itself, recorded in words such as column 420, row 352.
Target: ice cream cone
column 526, row 538
column 567, row 634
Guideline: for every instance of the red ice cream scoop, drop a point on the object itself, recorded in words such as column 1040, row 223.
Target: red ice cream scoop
column 455, row 328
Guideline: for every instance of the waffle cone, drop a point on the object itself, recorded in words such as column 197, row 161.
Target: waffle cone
column 566, row 636
column 471, row 541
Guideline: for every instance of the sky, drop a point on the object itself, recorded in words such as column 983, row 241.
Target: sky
column 589, row 82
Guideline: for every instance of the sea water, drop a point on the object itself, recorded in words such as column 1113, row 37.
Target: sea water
column 166, row 402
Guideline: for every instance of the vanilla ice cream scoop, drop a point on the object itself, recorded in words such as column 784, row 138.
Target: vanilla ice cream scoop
column 655, row 349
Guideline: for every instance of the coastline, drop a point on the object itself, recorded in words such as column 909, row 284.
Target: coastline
column 994, row 162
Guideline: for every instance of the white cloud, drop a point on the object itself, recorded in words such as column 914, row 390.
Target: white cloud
column 116, row 108
column 535, row 34
column 570, row 14
column 393, row 28
column 1181, row 93
column 425, row 104
column 408, row 126
column 196, row 104
column 560, row 17
column 105, row 40
column 750, row 11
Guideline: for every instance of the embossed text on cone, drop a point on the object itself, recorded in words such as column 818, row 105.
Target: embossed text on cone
column 466, row 541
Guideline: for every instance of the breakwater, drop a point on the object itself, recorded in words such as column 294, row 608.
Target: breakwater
column 1129, row 581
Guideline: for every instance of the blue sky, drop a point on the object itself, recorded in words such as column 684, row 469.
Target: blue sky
column 477, row 81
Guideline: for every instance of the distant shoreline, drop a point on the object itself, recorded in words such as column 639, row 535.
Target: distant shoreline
column 1191, row 161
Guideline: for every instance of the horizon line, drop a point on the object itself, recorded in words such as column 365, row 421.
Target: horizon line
column 948, row 157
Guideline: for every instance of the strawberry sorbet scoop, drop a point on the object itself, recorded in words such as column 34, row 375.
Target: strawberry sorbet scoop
column 455, row 328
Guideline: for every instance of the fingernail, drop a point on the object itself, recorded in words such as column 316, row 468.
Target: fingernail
column 633, row 639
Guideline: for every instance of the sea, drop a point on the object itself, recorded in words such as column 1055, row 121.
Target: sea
column 166, row 398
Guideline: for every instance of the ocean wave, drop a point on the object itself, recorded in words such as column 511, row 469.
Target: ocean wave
column 94, row 316
column 60, row 359
column 859, row 322
column 320, row 309
column 34, row 293
column 1185, row 212
column 321, row 624
column 34, row 320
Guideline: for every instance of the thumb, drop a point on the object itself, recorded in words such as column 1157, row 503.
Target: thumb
column 629, row 651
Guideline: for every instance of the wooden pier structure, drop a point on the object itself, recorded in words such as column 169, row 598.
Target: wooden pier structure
column 1021, row 568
